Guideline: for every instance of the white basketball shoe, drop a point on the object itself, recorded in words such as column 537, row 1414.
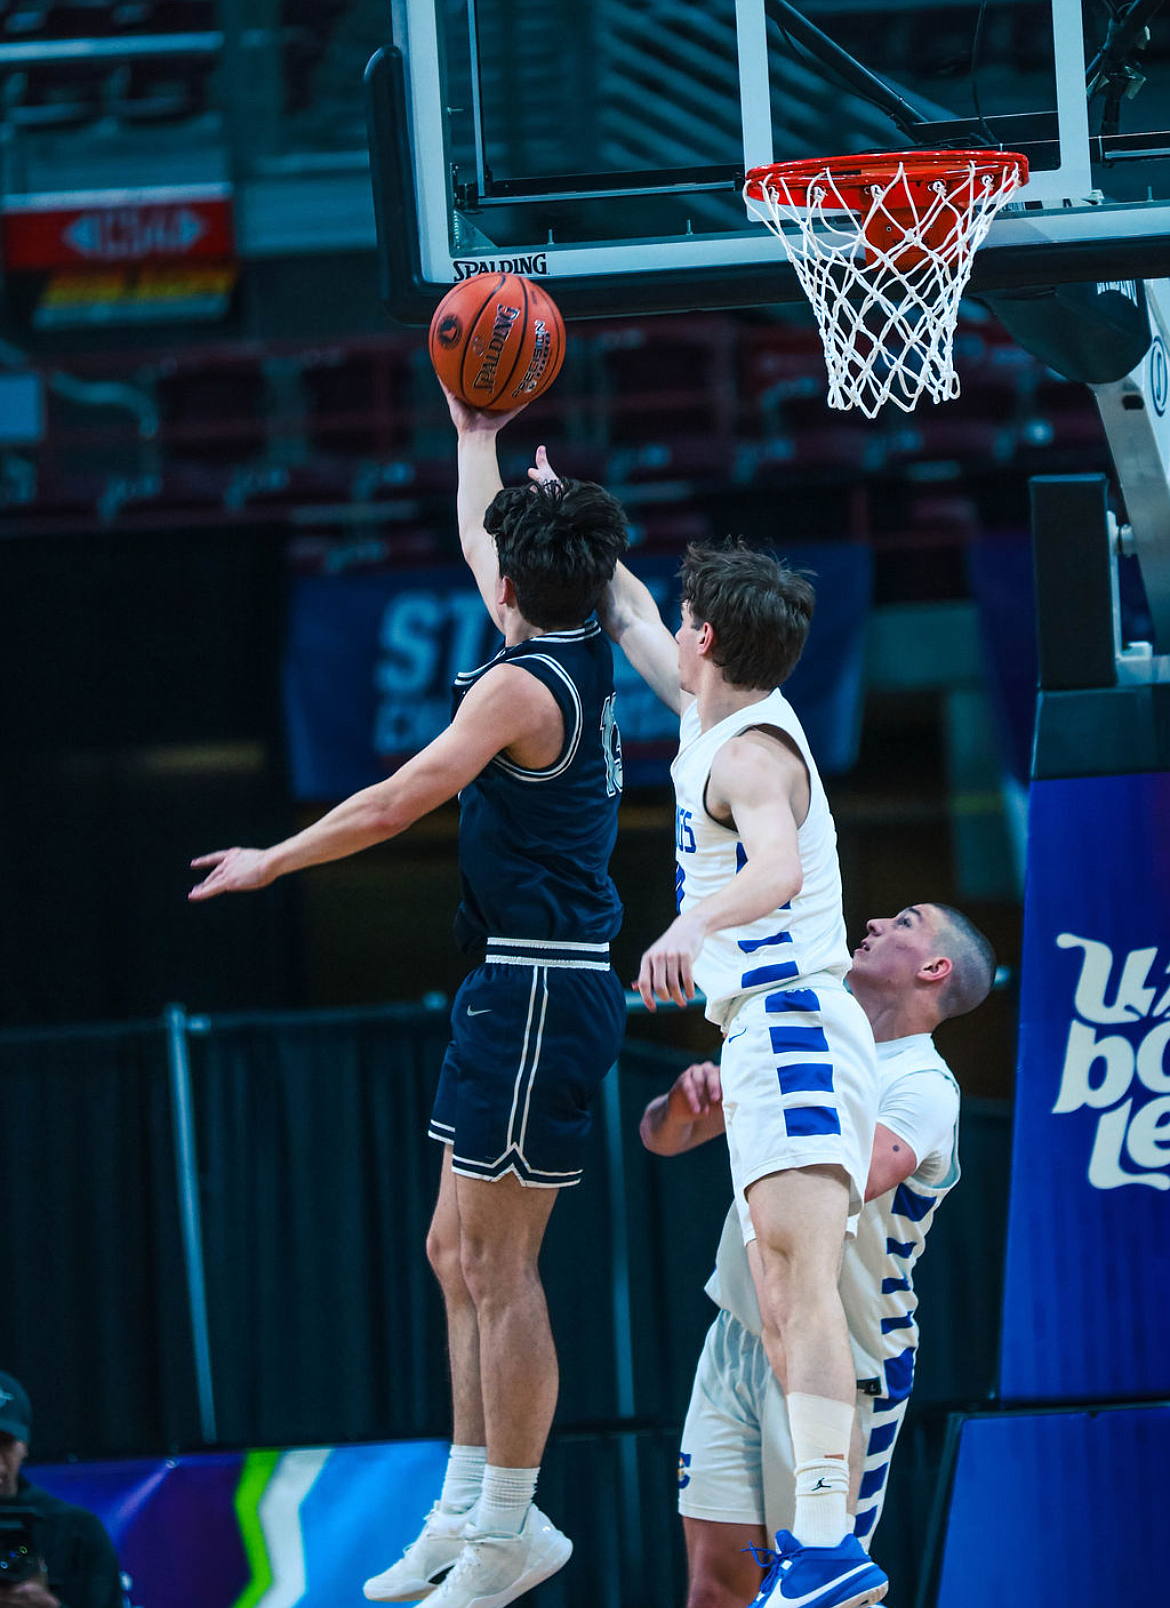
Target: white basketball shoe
column 496, row 1569
column 426, row 1560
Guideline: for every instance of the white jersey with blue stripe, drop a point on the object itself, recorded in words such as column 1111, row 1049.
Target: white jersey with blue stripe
column 805, row 937
column 919, row 1103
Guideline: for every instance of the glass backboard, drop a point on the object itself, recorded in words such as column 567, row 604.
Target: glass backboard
column 604, row 146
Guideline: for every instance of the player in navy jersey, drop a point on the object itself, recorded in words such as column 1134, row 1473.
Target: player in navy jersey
column 534, row 754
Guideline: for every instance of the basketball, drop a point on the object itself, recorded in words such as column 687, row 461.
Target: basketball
column 496, row 341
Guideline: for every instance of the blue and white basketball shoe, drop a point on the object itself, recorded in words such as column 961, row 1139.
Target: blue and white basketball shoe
column 818, row 1577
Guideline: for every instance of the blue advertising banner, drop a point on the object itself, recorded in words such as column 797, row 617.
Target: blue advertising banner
column 1087, row 1284
column 262, row 1529
column 370, row 658
column 1057, row 1508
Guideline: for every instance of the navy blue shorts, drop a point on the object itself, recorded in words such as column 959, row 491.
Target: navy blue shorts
column 533, row 1032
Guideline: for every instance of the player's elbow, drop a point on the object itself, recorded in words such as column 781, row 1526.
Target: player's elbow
column 650, row 1137
column 785, row 880
column 386, row 815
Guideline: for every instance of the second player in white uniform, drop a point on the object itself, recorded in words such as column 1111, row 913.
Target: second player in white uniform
column 737, row 1409
column 738, row 1466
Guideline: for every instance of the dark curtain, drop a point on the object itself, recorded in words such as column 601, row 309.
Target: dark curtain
column 139, row 701
column 94, row 1320
column 616, row 1495
column 676, row 1211
column 318, row 1183
column 317, row 1188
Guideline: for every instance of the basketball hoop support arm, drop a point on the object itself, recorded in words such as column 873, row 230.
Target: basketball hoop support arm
column 1135, row 412
column 858, row 77
column 1124, row 37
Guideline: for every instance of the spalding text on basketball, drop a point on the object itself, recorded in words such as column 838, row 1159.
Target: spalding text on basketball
column 505, row 317
column 469, row 267
column 1123, row 1073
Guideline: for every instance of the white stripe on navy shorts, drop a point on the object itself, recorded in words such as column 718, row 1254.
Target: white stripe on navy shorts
column 533, row 1032
column 799, row 1085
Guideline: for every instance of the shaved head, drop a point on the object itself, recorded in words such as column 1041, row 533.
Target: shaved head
column 972, row 961
column 916, row 969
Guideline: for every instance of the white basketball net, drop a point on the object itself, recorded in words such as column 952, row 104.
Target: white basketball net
column 887, row 315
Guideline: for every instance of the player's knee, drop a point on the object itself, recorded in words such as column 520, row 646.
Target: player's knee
column 444, row 1257
column 493, row 1270
column 794, row 1275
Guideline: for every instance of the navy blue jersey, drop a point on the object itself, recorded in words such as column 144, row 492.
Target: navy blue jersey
column 534, row 845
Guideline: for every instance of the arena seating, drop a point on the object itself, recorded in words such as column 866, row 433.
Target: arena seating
column 690, row 409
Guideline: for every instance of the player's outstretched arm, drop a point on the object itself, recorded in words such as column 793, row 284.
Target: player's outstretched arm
column 688, row 1114
column 631, row 619
column 479, row 481
column 507, row 706
column 751, row 785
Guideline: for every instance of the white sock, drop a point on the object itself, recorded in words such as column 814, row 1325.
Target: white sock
column 505, row 1499
column 463, row 1479
column 821, row 1428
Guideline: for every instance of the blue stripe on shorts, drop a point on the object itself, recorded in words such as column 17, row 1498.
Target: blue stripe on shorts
column 806, row 1077
column 809, row 1040
column 811, row 1122
column 791, row 999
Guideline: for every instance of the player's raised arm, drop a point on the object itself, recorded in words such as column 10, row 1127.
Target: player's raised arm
column 508, row 706
column 631, row 619
column 479, row 482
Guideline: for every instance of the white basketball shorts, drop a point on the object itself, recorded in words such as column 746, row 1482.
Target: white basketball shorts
column 736, row 1464
column 800, row 1085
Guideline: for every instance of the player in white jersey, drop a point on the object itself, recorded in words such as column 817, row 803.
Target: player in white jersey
column 736, row 1472
column 760, row 930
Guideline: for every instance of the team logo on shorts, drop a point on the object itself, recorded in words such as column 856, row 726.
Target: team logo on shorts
column 684, row 1463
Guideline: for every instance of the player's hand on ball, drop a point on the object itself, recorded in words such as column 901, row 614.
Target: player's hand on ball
column 474, row 421
column 666, row 972
column 232, row 871
column 695, row 1091
column 542, row 472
